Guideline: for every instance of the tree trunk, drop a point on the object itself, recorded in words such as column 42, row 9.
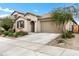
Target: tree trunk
column 62, row 27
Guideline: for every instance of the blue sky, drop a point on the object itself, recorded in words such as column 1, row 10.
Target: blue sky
column 37, row 8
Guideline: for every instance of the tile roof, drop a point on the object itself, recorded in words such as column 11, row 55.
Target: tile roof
column 18, row 12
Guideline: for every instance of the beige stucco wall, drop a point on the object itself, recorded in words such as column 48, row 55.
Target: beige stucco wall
column 29, row 16
column 38, row 26
column 25, row 25
column 32, row 18
column 17, row 14
column 41, row 25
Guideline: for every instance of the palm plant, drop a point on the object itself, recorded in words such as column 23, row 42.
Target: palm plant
column 61, row 16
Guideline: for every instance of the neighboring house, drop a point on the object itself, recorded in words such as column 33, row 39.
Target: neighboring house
column 30, row 22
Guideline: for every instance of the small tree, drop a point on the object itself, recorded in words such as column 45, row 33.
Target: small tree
column 61, row 16
column 7, row 23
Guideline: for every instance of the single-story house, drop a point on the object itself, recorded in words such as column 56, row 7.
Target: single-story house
column 30, row 22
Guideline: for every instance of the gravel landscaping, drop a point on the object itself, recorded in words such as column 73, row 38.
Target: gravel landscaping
column 72, row 43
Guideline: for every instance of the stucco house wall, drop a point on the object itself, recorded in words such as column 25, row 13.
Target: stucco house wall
column 17, row 14
column 25, row 25
column 41, row 23
column 32, row 18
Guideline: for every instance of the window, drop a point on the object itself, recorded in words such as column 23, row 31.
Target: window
column 20, row 24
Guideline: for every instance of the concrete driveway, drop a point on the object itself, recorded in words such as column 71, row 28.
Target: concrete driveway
column 23, row 46
column 42, row 38
column 26, row 45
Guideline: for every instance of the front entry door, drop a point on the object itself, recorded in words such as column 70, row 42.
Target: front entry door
column 32, row 26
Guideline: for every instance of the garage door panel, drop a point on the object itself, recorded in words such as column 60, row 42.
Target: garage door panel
column 49, row 26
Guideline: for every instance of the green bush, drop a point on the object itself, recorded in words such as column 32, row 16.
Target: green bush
column 1, row 32
column 10, row 34
column 21, row 33
column 7, row 23
column 67, row 34
column 6, row 33
column 16, row 34
column 11, row 30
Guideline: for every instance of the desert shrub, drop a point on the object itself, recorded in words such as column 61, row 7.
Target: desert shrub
column 11, row 30
column 21, row 33
column 1, row 32
column 6, row 33
column 10, row 34
column 7, row 23
column 67, row 34
column 60, row 41
column 16, row 34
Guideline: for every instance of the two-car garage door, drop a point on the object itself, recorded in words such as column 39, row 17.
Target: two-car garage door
column 49, row 26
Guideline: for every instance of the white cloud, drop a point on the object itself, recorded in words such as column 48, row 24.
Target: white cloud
column 5, row 9
column 5, row 12
column 4, row 15
column 35, row 10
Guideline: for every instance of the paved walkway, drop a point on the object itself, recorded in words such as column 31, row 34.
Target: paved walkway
column 9, row 47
